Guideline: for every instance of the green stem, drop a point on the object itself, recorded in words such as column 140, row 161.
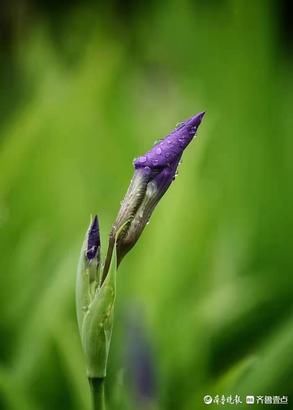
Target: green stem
column 97, row 386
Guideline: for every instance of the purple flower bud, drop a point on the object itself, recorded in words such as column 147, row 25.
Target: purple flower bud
column 170, row 148
column 154, row 172
column 93, row 239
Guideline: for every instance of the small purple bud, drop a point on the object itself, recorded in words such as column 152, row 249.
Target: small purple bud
column 93, row 239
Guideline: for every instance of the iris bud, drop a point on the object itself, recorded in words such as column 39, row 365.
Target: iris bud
column 153, row 174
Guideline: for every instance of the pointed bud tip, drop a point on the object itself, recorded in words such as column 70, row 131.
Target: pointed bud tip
column 93, row 239
column 200, row 115
column 195, row 121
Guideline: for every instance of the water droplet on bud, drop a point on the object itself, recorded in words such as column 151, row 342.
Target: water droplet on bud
column 147, row 170
column 142, row 160
column 181, row 142
column 179, row 125
column 158, row 141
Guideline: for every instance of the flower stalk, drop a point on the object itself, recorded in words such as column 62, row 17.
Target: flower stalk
column 97, row 387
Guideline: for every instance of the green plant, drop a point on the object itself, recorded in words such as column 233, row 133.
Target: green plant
column 96, row 281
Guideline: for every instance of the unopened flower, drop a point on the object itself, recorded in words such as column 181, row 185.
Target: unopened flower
column 94, row 303
column 154, row 172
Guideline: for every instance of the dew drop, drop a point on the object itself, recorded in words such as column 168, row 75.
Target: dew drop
column 155, row 162
column 179, row 125
column 158, row 141
column 159, row 151
column 167, row 155
column 175, row 175
column 181, row 142
column 142, row 160
column 147, row 170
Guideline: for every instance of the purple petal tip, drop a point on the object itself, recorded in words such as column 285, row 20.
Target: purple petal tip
column 200, row 115
column 93, row 239
column 194, row 121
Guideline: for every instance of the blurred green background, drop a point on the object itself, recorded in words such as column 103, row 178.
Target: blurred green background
column 204, row 300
